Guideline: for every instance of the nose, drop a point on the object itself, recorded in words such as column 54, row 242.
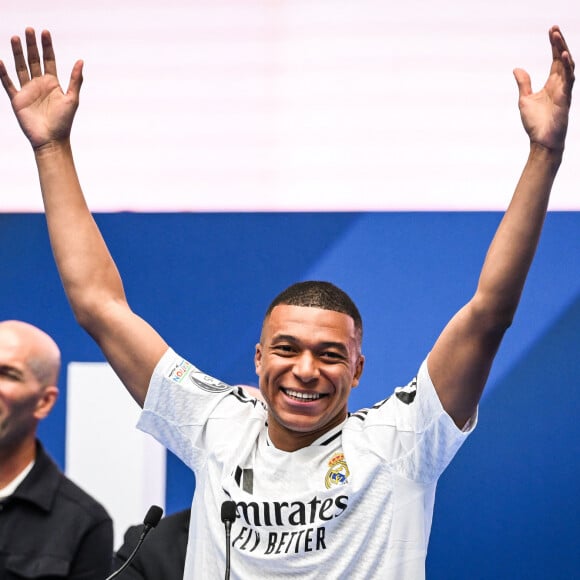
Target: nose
column 306, row 367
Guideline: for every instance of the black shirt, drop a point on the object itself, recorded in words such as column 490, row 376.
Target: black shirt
column 162, row 554
column 50, row 528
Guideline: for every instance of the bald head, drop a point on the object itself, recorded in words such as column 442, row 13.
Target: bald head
column 29, row 367
column 37, row 350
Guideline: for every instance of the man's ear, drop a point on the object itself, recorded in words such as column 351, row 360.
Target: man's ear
column 258, row 358
column 46, row 402
column 359, row 366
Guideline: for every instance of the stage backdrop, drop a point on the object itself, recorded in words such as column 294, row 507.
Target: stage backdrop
column 405, row 109
column 507, row 507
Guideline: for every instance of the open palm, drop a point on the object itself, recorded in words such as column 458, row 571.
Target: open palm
column 43, row 110
column 545, row 113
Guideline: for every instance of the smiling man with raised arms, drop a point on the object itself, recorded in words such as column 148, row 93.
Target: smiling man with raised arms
column 319, row 491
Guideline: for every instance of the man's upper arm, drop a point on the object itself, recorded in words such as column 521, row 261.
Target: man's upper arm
column 461, row 359
column 130, row 344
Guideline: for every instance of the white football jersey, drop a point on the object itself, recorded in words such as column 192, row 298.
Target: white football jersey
column 356, row 503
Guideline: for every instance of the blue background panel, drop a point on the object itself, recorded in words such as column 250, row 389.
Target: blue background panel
column 507, row 506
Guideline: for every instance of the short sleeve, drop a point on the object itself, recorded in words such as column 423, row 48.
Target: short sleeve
column 411, row 430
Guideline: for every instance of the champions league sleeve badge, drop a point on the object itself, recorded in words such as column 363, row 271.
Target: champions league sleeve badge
column 207, row 383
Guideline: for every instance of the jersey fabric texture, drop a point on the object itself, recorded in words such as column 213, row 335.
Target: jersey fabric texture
column 356, row 503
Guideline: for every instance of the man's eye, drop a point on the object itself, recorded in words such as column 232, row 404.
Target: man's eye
column 284, row 348
column 329, row 354
column 9, row 375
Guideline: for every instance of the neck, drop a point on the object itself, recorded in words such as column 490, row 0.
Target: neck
column 287, row 439
column 15, row 459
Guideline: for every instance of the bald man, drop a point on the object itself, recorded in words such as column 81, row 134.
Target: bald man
column 49, row 527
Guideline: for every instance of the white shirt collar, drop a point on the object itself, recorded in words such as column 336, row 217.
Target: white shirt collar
column 9, row 489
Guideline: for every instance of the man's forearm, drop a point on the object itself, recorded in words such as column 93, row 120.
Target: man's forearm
column 87, row 270
column 512, row 250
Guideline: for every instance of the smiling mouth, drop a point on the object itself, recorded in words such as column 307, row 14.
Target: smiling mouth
column 302, row 396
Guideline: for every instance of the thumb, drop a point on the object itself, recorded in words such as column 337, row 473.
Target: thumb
column 76, row 79
column 524, row 82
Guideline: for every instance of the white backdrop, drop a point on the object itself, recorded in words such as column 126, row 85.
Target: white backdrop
column 121, row 467
column 293, row 104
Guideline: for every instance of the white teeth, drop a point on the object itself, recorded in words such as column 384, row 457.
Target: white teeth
column 302, row 396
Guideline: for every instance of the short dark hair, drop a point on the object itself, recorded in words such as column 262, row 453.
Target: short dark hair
column 319, row 294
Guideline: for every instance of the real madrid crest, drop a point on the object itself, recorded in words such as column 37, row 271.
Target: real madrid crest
column 338, row 472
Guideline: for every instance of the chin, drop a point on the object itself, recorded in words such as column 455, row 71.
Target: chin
column 303, row 426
